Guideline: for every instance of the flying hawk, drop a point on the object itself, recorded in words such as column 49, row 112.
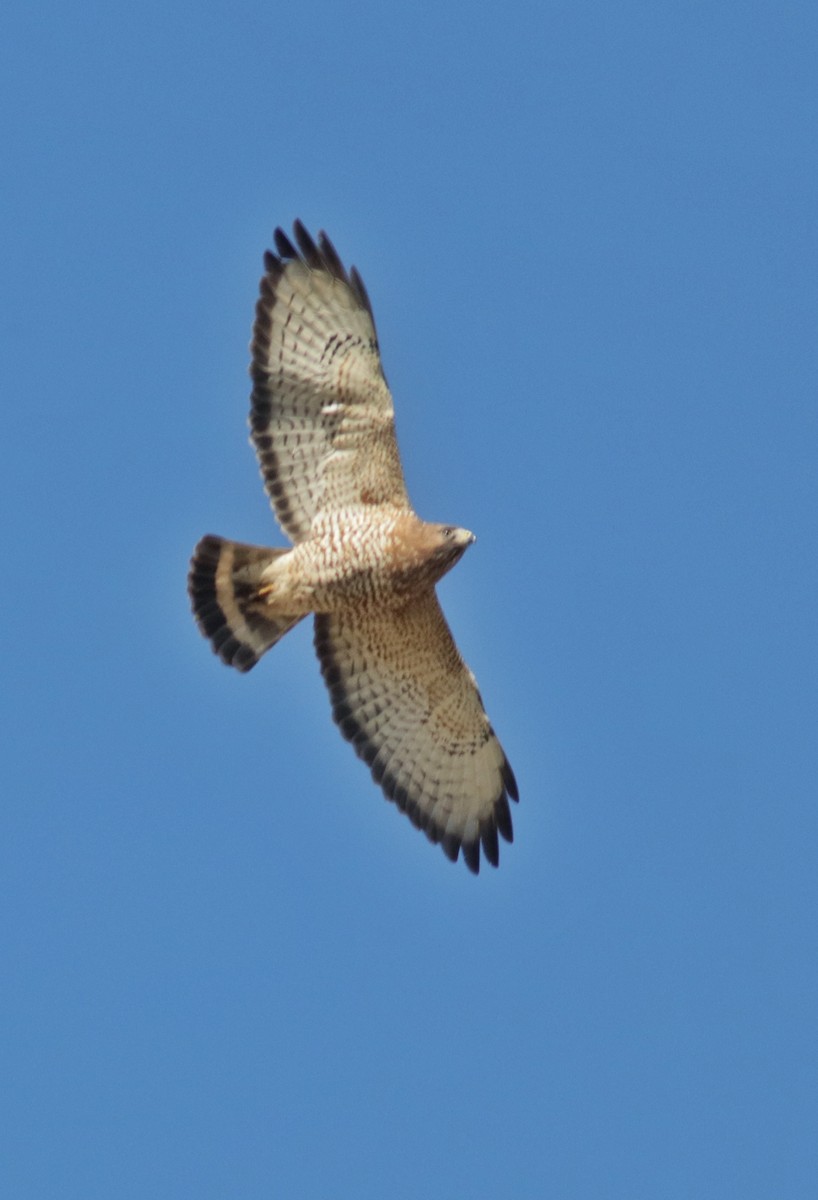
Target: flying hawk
column 362, row 562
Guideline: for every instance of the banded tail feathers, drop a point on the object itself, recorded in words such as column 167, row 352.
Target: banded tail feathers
column 225, row 583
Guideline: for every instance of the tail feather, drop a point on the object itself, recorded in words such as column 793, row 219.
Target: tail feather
column 223, row 585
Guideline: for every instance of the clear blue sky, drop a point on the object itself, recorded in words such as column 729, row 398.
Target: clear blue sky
column 230, row 968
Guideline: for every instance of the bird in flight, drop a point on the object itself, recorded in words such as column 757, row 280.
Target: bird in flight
column 362, row 562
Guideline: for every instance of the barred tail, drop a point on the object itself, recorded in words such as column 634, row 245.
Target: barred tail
column 223, row 585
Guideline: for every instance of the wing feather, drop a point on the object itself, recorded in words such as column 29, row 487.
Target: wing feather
column 321, row 419
column 404, row 698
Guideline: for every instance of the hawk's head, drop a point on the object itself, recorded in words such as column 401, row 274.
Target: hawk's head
column 422, row 552
column 450, row 545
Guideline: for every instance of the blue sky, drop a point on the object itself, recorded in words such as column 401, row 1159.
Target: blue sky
column 231, row 969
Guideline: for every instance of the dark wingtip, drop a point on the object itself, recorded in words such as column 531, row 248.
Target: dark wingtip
column 331, row 258
column 450, row 844
column 284, row 246
column 360, row 292
column 471, row 856
column 509, row 781
column 308, row 248
column 488, row 838
column 502, row 816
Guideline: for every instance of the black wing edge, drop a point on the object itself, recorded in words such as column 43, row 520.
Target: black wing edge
column 499, row 821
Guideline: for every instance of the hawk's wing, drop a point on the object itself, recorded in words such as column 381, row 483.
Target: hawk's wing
column 321, row 418
column 403, row 696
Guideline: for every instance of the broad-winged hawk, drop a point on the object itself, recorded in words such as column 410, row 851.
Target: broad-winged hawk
column 362, row 562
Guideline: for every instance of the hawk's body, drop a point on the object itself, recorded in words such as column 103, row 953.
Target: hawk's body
column 362, row 561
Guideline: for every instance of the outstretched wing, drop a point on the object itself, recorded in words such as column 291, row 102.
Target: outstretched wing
column 403, row 696
column 322, row 419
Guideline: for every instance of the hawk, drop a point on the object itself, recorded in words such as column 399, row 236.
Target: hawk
column 362, row 562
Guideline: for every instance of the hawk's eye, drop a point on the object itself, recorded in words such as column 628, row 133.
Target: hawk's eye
column 448, row 531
